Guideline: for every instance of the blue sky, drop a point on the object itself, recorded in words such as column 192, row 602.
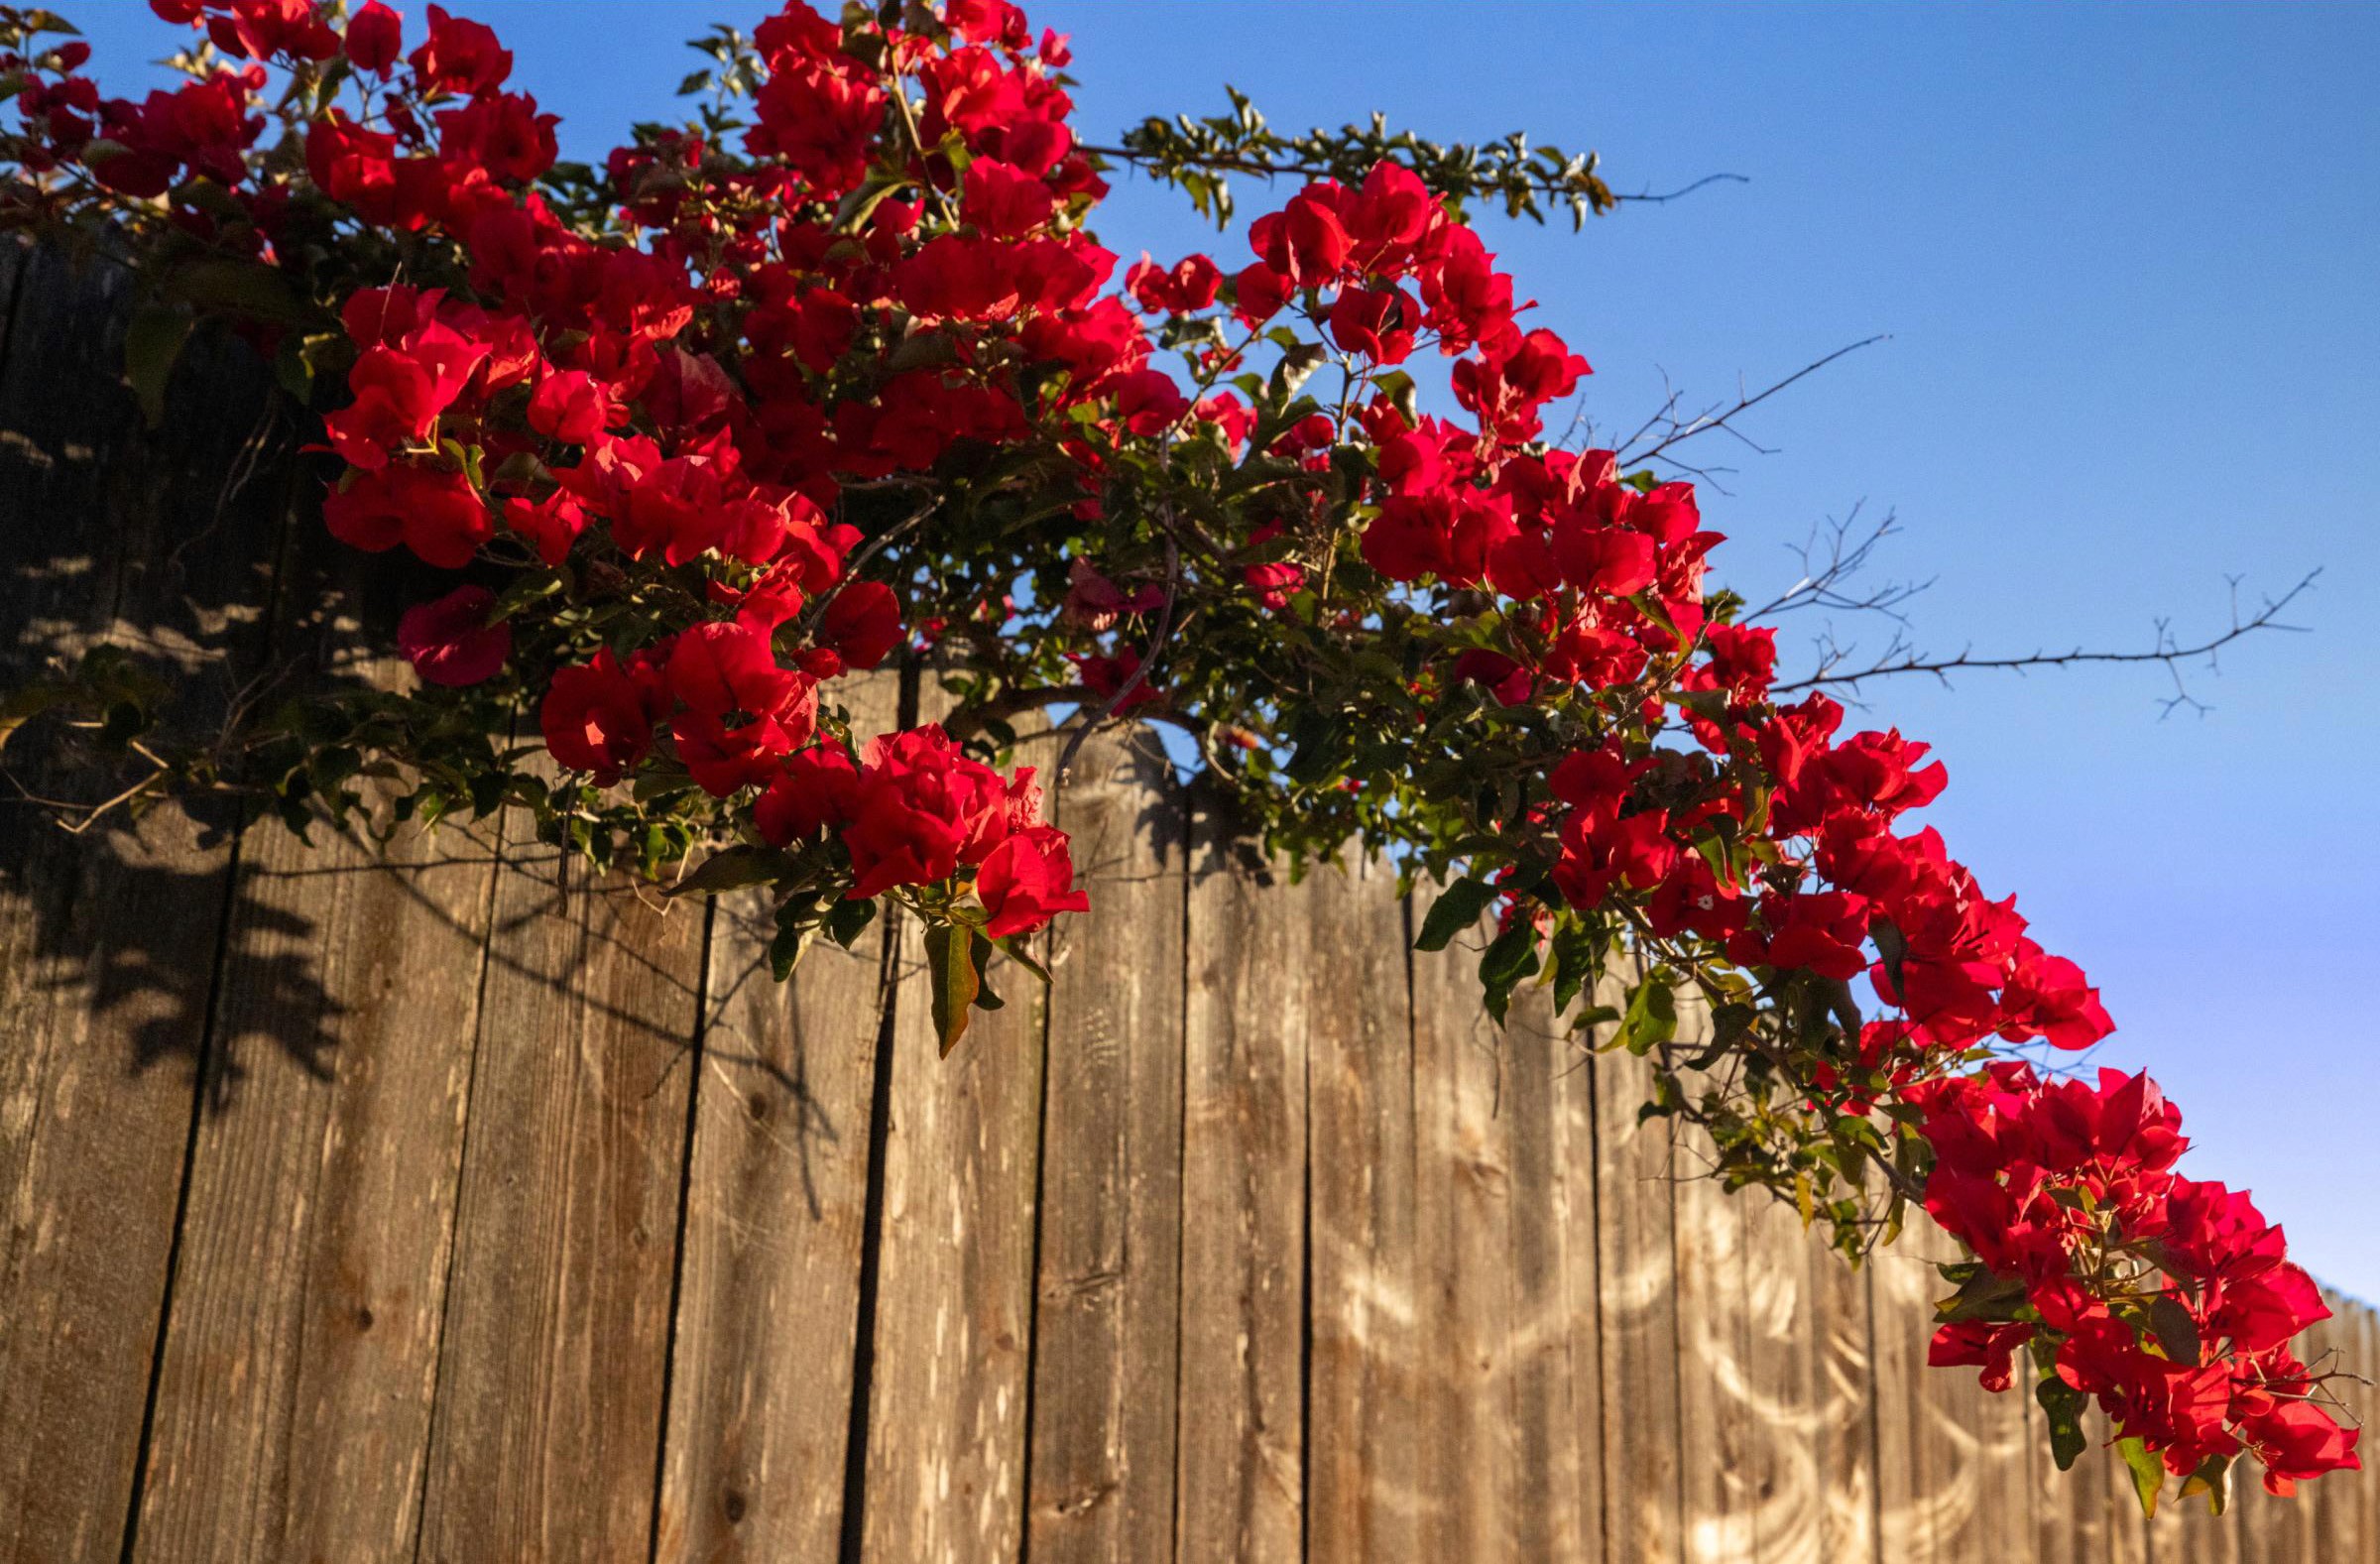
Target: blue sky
column 2129, row 258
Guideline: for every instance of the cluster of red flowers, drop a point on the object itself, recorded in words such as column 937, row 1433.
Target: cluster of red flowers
column 2168, row 1300
column 881, row 286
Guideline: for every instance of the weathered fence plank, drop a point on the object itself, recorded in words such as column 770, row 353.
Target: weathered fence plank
column 550, row 1395
column 1242, row 1461
column 953, row 1328
column 1846, row 1411
column 1367, row 1374
column 1716, row 1408
column 1109, row 1315
column 776, row 1196
column 291, row 1411
column 107, row 939
column 293, row 1397
column 1793, row 1501
column 1636, row 1255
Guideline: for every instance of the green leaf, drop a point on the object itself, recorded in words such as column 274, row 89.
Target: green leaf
column 1014, row 945
column 1510, row 957
column 2214, row 1479
column 1985, row 1295
column 1891, row 945
column 1456, row 908
column 1651, row 1017
column 951, row 978
column 2063, row 1405
column 732, row 870
column 845, row 919
column 2148, row 1472
column 152, row 344
column 979, row 951
column 2176, row 1331
column 241, row 287
column 796, row 926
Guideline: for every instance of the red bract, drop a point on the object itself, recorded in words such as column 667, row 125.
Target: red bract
column 598, row 717
column 436, row 514
column 375, row 34
column 1026, row 881
column 450, row 642
column 2058, row 1185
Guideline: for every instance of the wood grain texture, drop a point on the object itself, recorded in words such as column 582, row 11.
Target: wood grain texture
column 1718, row 1411
column 550, row 1391
column 1972, row 1494
column 1637, row 1275
column 952, row 1337
column 1241, row 1481
column 1901, row 1287
column 1793, row 1441
column 1844, row 1404
column 107, row 939
column 1464, row 1216
column 293, row 1398
column 1109, row 1316
column 1365, row 1369
column 292, row 1413
column 776, row 1215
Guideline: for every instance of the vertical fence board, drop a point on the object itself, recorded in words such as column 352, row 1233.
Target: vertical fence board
column 1901, row 1288
column 1716, row 1403
column 946, row 1448
column 1637, row 1269
column 1243, row 1201
column 1471, row 1435
column 550, row 1378
column 291, row 1411
column 1791, row 1435
column 1552, row 1095
column 761, row 1378
column 292, row 1406
column 1108, row 1318
column 108, row 940
column 1366, row 1373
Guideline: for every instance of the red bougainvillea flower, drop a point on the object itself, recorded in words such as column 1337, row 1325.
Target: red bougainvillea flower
column 861, row 624
column 450, row 640
column 1026, row 881
column 598, row 717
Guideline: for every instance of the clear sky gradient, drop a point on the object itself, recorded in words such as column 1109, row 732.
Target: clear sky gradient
column 2129, row 258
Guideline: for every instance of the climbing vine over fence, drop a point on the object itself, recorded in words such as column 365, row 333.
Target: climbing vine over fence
column 837, row 367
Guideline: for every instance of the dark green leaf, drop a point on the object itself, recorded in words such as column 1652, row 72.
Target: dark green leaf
column 1456, row 908
column 2063, row 1405
column 2176, row 1329
column 732, row 870
column 152, row 344
column 1510, row 957
column 845, row 919
column 951, row 979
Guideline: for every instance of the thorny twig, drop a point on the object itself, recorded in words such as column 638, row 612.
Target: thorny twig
column 1904, row 659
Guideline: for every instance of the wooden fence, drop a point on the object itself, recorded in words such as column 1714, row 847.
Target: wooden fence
column 442, row 1205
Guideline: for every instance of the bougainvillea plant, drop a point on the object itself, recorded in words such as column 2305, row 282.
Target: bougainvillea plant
column 838, row 371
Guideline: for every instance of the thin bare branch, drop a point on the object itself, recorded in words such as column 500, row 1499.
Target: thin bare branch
column 2166, row 652
column 1674, row 433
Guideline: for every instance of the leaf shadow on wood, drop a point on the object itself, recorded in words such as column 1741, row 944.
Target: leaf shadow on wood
column 196, row 555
